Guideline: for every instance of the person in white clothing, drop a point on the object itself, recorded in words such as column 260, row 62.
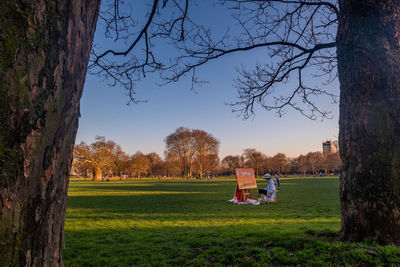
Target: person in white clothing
column 268, row 194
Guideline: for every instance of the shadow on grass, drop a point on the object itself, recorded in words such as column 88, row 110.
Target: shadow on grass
column 204, row 205
column 149, row 184
column 227, row 245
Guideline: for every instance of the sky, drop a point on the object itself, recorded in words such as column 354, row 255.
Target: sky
column 144, row 126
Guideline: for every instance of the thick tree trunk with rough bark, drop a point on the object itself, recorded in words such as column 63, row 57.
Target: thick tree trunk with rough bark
column 97, row 174
column 44, row 50
column 369, row 72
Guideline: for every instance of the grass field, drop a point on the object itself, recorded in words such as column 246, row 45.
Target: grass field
column 179, row 222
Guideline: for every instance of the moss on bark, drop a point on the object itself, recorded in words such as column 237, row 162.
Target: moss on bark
column 38, row 121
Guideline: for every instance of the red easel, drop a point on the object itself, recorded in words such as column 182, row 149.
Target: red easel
column 246, row 180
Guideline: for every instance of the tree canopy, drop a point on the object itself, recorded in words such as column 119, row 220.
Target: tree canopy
column 192, row 145
column 96, row 156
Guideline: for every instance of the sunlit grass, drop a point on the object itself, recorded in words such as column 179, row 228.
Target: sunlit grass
column 179, row 222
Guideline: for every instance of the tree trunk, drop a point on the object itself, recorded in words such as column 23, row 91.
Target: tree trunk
column 44, row 50
column 369, row 72
column 98, row 174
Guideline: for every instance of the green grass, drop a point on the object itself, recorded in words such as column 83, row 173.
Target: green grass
column 179, row 222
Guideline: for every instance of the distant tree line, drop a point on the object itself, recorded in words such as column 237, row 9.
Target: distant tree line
column 190, row 153
column 311, row 164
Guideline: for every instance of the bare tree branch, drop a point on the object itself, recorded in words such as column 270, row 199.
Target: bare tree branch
column 298, row 36
column 139, row 37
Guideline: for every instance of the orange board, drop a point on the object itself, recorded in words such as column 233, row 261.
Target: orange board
column 246, row 178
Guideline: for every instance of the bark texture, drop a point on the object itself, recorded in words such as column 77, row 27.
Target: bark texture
column 369, row 72
column 44, row 50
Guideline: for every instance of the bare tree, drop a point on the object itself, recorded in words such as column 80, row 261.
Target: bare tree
column 140, row 164
column 155, row 164
column 182, row 143
column 314, row 160
column 206, row 146
column 173, row 164
column 303, row 164
column 332, row 162
column 192, row 145
column 293, row 166
column 279, row 162
column 81, row 168
column 81, row 152
column 99, row 155
column 120, row 161
column 211, row 164
column 230, row 163
column 254, row 159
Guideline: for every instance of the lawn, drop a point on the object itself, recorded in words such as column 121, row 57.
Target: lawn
column 179, row 222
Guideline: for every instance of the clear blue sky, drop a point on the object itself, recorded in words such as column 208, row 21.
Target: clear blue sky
column 143, row 127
